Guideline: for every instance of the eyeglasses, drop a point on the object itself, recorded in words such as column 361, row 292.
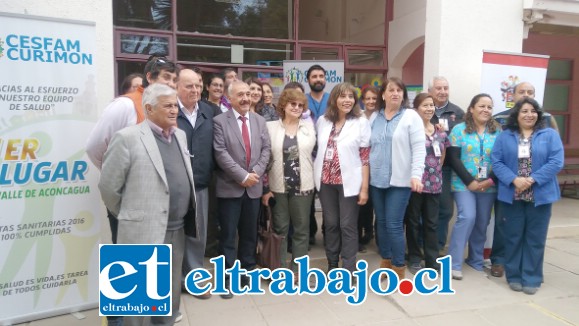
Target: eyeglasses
column 296, row 104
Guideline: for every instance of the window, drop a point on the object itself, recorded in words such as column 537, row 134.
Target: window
column 557, row 93
column 359, row 57
column 253, row 36
column 144, row 44
column 219, row 51
column 252, row 18
column 155, row 14
column 320, row 53
column 360, row 21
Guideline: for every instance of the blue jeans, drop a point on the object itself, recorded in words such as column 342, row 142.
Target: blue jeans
column 525, row 231
column 389, row 206
column 474, row 213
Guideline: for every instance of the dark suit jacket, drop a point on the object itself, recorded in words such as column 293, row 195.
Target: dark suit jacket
column 200, row 143
column 230, row 154
column 453, row 113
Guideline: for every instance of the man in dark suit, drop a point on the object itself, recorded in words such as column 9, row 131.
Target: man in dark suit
column 242, row 149
column 196, row 119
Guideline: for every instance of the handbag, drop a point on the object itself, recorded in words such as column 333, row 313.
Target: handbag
column 268, row 242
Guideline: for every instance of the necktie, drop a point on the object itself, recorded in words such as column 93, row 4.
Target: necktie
column 245, row 135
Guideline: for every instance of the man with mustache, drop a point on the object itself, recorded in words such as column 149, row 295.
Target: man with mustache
column 242, row 149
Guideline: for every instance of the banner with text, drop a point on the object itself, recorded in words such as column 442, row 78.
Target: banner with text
column 501, row 72
column 49, row 200
column 295, row 71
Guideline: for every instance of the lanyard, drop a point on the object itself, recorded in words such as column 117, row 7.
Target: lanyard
column 481, row 142
column 318, row 106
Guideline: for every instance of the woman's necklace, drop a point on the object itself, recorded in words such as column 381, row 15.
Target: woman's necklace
column 291, row 129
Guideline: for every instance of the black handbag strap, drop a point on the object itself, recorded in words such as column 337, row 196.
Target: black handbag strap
column 265, row 218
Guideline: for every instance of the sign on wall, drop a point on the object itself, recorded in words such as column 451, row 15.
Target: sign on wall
column 501, row 72
column 49, row 200
column 295, row 71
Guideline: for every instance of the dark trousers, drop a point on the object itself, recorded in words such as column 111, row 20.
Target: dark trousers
column 426, row 206
column 176, row 238
column 212, row 243
column 313, row 222
column 498, row 250
column 445, row 208
column 114, row 224
column 340, row 216
column 366, row 222
column 525, row 228
column 238, row 217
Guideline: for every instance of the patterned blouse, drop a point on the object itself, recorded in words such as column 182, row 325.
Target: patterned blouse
column 475, row 154
column 291, row 167
column 432, row 177
column 331, row 172
column 525, row 169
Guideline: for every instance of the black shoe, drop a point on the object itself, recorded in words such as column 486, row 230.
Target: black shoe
column 332, row 266
column 229, row 295
column 226, row 296
column 361, row 248
column 366, row 239
column 244, row 281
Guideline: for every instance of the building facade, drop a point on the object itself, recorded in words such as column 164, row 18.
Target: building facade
column 376, row 38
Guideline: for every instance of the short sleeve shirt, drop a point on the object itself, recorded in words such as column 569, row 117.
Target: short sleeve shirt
column 470, row 153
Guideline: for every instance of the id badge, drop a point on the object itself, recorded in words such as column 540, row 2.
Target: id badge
column 329, row 154
column 444, row 123
column 482, row 172
column 436, row 148
column 524, row 151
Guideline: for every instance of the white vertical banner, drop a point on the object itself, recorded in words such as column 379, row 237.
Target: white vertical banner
column 49, row 200
column 502, row 71
column 295, row 71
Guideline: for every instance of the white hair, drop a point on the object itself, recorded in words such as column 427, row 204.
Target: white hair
column 154, row 91
column 434, row 79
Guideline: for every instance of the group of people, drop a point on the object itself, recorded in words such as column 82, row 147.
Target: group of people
column 166, row 152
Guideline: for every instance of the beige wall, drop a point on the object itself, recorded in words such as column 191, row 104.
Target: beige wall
column 457, row 32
